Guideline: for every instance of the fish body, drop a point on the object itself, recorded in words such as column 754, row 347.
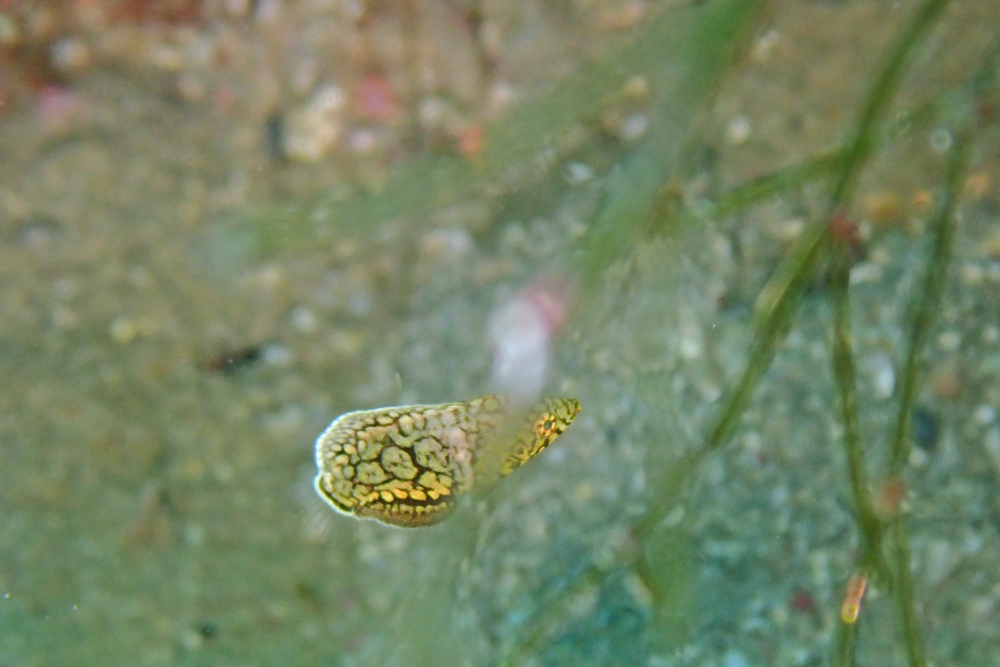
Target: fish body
column 406, row 465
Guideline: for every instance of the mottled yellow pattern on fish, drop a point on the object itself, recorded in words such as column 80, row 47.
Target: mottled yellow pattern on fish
column 405, row 465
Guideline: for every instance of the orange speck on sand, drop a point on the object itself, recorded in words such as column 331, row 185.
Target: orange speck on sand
column 923, row 202
column 883, row 207
column 471, row 140
column 977, row 185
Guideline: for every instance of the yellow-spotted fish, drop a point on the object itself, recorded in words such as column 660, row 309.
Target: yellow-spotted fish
column 406, row 465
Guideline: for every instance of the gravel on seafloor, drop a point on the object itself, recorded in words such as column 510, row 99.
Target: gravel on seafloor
column 164, row 380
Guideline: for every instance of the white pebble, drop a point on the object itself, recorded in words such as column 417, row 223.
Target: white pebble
column 972, row 273
column 446, row 243
column 578, row 172
column 941, row 140
column 985, row 414
column 70, row 55
column 313, row 130
column 274, row 354
column 949, row 341
column 304, row 319
column 634, row 127
column 993, row 272
column 766, row 45
column 865, row 272
column 940, row 560
column 690, row 345
column 991, row 443
column 883, row 375
column 738, row 130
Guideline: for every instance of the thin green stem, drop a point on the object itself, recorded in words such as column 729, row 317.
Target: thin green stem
column 943, row 232
column 845, row 645
column 864, row 140
column 943, row 227
column 844, row 372
column 779, row 299
column 906, row 602
column 764, row 187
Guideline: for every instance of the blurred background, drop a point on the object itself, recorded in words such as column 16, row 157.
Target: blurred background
column 225, row 222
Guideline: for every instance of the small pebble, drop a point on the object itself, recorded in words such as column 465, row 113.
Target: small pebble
column 766, row 45
column 979, row 609
column 923, row 203
column 446, row 243
column 69, row 55
column 990, row 246
column 304, row 320
column 925, row 429
column 123, row 330
column 787, row 230
column 690, row 345
column 949, row 341
column 634, row 127
column 500, row 96
column 192, row 640
column 578, row 172
column 883, row 375
column 345, row 343
column 865, row 272
column 738, row 130
column 275, row 354
column 985, row 414
column 941, row 140
column 883, row 207
column 972, row 273
column 991, row 443
column 977, row 185
column 312, row 131
column 945, row 381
